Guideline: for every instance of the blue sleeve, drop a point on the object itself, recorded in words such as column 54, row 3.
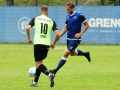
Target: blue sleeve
column 66, row 22
column 66, row 19
column 82, row 18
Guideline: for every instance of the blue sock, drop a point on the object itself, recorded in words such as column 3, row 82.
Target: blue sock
column 79, row 52
column 60, row 64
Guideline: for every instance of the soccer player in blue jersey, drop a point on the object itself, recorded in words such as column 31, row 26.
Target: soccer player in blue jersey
column 73, row 28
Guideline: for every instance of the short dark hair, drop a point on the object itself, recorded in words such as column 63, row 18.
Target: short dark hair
column 70, row 4
column 44, row 8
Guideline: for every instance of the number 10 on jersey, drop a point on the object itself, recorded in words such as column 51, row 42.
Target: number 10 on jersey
column 44, row 28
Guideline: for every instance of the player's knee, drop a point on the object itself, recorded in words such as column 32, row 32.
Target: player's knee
column 38, row 63
column 72, row 54
column 66, row 53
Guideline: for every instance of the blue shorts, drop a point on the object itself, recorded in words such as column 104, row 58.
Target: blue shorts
column 72, row 44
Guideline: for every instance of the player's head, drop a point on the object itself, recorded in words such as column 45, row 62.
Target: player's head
column 70, row 7
column 44, row 10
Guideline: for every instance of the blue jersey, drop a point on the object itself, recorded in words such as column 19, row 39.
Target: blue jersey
column 74, row 23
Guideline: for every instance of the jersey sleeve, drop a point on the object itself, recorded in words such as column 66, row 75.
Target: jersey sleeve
column 66, row 22
column 82, row 18
column 54, row 26
column 31, row 22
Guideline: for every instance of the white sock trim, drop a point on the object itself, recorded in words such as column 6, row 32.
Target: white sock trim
column 64, row 58
column 49, row 74
column 34, row 82
column 76, row 51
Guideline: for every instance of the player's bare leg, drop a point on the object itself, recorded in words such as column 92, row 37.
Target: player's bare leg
column 37, row 63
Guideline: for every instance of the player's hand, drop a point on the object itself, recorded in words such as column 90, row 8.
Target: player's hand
column 52, row 46
column 29, row 41
column 78, row 35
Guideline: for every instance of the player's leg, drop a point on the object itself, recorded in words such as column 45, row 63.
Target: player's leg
column 42, row 68
column 62, row 61
column 74, row 45
column 79, row 52
column 37, row 75
column 38, row 62
column 44, row 51
column 40, row 53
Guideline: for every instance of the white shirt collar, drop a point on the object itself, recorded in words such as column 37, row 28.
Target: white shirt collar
column 43, row 15
column 73, row 13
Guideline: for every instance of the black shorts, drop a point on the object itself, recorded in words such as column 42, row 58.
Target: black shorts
column 40, row 52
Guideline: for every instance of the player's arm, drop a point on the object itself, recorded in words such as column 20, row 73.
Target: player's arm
column 28, row 33
column 30, row 25
column 55, row 37
column 55, row 29
column 63, row 31
column 86, row 26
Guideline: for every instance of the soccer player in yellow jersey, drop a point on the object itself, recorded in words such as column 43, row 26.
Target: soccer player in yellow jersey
column 42, row 42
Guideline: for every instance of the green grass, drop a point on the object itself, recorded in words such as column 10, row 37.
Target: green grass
column 102, row 73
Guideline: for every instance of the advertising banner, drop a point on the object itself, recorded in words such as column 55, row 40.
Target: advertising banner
column 104, row 22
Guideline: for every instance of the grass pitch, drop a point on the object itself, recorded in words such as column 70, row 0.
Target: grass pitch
column 102, row 73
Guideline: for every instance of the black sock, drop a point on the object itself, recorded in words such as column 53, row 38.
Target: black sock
column 38, row 72
column 43, row 69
